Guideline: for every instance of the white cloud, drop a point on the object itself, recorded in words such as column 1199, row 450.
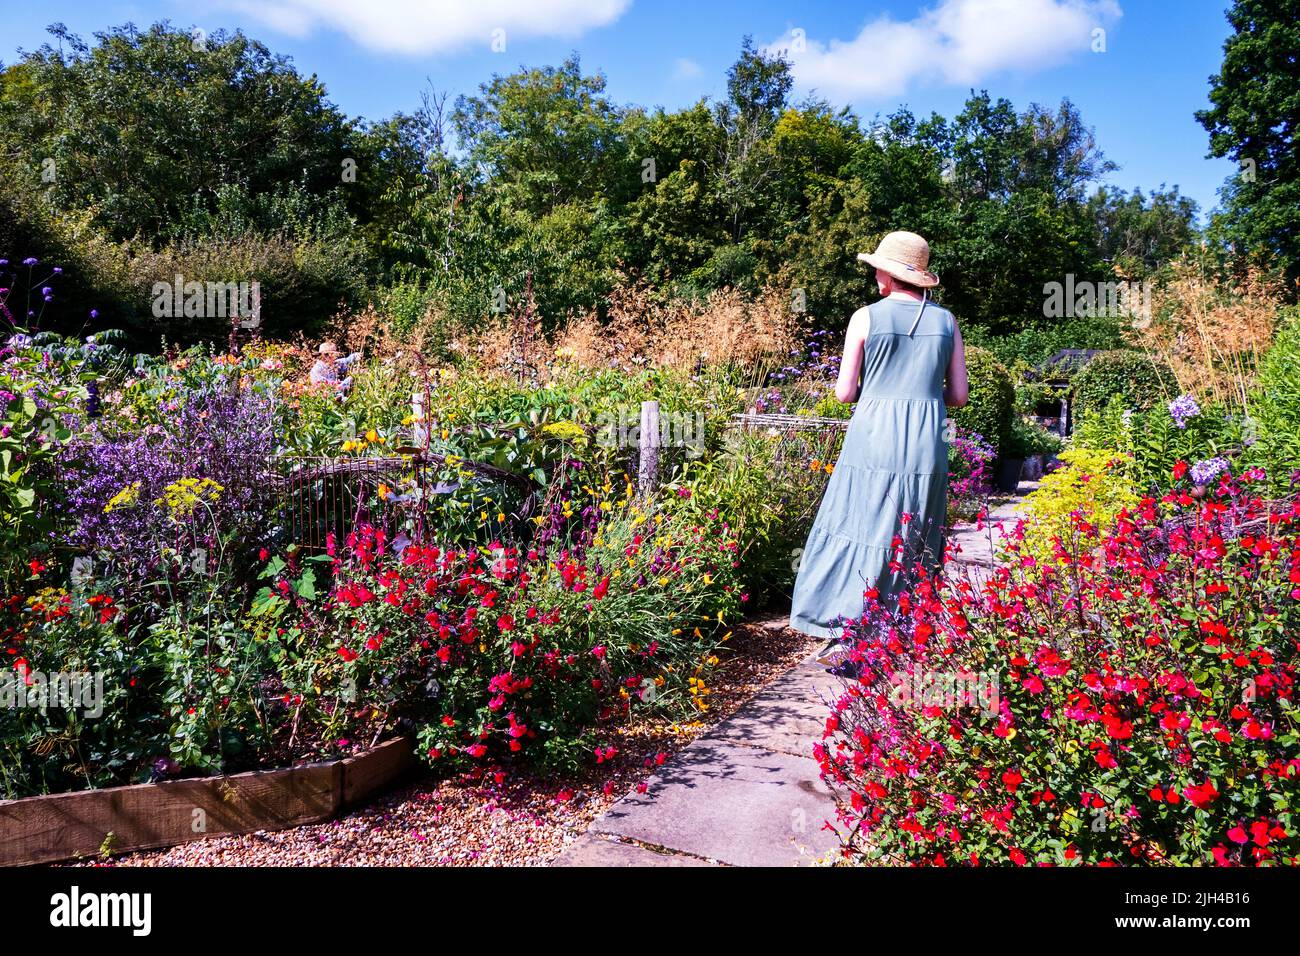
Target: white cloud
column 958, row 42
column 685, row 68
column 422, row 27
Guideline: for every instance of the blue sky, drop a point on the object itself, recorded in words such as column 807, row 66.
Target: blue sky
column 374, row 56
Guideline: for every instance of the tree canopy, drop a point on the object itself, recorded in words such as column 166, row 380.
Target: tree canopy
column 163, row 141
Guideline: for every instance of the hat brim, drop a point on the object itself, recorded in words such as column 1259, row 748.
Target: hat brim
column 900, row 271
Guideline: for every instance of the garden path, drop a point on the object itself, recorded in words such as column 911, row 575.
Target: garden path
column 748, row 793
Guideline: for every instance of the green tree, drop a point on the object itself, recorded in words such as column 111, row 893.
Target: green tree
column 1255, row 111
column 1138, row 234
column 143, row 125
column 547, row 136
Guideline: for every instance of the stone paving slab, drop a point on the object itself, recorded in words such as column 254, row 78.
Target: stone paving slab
column 746, row 806
column 789, row 715
column 748, row 793
column 592, row 849
column 978, row 544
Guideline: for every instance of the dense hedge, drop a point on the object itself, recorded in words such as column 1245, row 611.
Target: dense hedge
column 1136, row 379
column 992, row 398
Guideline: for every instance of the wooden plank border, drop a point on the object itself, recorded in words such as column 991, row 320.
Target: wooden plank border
column 64, row 826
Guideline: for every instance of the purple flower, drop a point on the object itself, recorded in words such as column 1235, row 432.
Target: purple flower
column 219, row 434
column 1204, row 472
column 1183, row 408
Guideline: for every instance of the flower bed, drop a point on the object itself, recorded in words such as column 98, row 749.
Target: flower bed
column 1132, row 702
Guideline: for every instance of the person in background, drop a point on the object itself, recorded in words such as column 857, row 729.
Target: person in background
column 329, row 367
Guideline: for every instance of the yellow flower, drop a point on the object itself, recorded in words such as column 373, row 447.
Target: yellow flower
column 124, row 498
column 384, row 491
column 372, row 436
column 183, row 496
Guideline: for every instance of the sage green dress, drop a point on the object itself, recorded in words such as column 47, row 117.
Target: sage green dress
column 892, row 475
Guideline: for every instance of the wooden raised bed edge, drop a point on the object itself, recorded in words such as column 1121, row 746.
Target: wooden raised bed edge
column 64, row 826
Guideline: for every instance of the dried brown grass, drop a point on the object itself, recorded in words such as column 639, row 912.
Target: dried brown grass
column 1212, row 331
column 639, row 331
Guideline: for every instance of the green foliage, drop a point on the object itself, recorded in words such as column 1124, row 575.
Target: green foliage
column 552, row 181
column 175, row 113
column 1276, row 406
column 1139, row 234
column 1028, row 343
column 992, row 398
column 1152, row 442
column 1254, row 112
column 41, row 383
column 1094, row 486
column 1136, row 379
column 1025, row 439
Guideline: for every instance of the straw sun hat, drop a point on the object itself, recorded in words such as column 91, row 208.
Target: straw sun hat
column 905, row 256
column 327, row 348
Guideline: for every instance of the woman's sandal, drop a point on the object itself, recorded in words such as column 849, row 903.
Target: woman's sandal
column 833, row 654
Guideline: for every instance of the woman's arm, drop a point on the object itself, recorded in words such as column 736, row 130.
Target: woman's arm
column 847, row 385
column 956, row 388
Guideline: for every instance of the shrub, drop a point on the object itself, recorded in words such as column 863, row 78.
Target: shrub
column 526, row 649
column 767, row 485
column 1135, row 378
column 1035, row 343
column 1134, row 705
column 1275, row 406
column 1092, row 487
column 1027, row 439
column 303, row 280
column 992, row 397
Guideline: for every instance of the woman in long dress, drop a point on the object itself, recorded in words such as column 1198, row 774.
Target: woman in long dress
column 903, row 365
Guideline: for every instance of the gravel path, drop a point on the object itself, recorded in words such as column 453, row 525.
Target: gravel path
column 518, row 819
